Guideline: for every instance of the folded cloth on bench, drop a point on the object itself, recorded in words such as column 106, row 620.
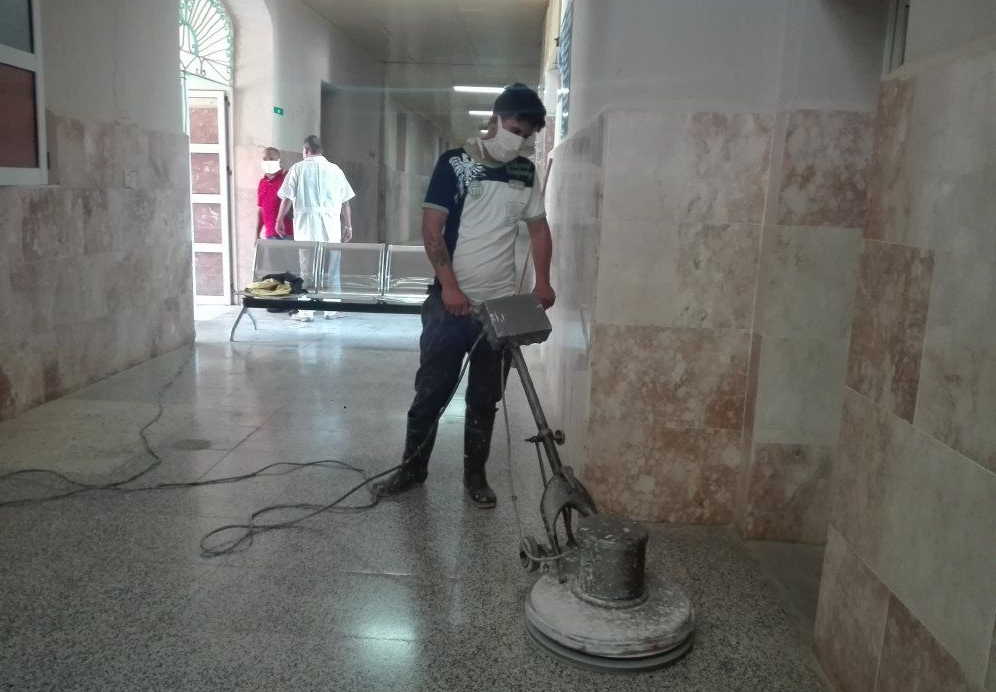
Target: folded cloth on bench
column 295, row 281
column 269, row 288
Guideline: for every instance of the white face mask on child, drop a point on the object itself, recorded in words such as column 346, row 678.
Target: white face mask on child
column 271, row 167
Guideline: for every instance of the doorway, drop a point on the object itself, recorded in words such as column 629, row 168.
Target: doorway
column 210, row 207
column 206, row 69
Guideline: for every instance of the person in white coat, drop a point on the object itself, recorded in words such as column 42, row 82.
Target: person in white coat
column 319, row 193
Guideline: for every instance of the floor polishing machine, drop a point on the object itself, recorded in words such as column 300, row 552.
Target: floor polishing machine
column 593, row 605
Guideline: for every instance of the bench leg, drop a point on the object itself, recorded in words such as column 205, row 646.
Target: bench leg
column 231, row 335
column 252, row 319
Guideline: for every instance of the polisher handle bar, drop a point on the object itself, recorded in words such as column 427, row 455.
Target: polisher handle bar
column 562, row 493
column 545, row 435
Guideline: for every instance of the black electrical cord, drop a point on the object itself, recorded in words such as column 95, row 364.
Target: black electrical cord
column 82, row 487
column 252, row 528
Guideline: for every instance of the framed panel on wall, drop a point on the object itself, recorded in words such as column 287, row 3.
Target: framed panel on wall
column 23, row 150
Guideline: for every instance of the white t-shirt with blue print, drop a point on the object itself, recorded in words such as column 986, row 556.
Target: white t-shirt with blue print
column 484, row 202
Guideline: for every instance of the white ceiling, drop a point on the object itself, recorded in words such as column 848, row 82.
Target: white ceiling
column 432, row 45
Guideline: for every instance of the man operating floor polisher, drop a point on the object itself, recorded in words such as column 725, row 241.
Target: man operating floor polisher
column 477, row 196
column 593, row 606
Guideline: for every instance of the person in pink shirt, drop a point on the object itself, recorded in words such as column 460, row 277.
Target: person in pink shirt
column 268, row 202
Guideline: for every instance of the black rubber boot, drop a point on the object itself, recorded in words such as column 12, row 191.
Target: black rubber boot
column 415, row 468
column 476, row 448
column 401, row 481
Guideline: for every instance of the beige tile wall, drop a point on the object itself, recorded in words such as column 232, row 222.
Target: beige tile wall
column 914, row 488
column 94, row 276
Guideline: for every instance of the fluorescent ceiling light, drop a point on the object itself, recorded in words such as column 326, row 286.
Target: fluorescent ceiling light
column 483, row 114
column 484, row 132
column 478, row 89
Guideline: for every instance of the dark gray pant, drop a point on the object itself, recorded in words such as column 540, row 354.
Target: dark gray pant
column 445, row 340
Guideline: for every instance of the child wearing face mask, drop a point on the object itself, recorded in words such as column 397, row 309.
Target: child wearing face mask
column 267, row 199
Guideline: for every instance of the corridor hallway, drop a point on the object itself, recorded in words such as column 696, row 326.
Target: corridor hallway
column 772, row 342
column 108, row 591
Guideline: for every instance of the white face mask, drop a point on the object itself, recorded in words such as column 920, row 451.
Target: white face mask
column 271, row 167
column 504, row 146
column 528, row 146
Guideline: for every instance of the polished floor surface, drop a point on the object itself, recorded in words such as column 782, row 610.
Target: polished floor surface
column 109, row 591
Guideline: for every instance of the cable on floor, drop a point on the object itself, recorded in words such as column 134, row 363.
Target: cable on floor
column 251, row 529
column 82, row 487
column 248, row 531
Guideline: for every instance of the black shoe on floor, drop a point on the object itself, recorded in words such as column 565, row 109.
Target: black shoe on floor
column 401, row 481
column 478, row 490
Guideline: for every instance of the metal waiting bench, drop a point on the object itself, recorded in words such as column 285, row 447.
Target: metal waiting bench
column 348, row 277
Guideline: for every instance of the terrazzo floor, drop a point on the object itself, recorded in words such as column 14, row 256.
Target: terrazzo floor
column 109, row 591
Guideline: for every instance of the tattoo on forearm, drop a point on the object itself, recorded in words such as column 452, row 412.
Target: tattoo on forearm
column 435, row 248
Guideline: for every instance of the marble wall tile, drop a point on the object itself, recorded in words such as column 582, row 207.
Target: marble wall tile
column 52, row 223
column 788, row 493
column 131, row 213
column 68, row 163
column 690, row 275
column 22, row 371
column 808, row 278
column 889, row 183
column 958, row 397
column 727, row 167
column 800, row 390
column 953, row 155
column 104, row 147
column 850, row 622
column 887, row 333
column 753, row 385
column 750, row 410
column 89, row 266
column 669, row 377
column 913, row 660
column 668, row 405
column 661, row 474
column 136, row 159
column 644, row 162
column 868, row 438
column 94, row 209
column 922, row 516
column 825, row 169
column 932, row 185
column 11, row 220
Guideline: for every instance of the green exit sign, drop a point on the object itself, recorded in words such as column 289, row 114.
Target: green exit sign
column 278, row 110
